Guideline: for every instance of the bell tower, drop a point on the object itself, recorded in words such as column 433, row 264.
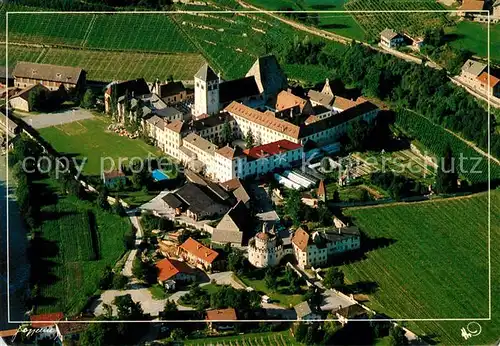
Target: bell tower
column 206, row 91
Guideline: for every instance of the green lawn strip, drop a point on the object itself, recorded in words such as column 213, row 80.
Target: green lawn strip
column 90, row 139
column 437, row 267
column 158, row 292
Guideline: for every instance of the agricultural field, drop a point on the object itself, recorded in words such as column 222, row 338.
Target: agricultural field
column 91, row 139
column 436, row 266
column 374, row 23
column 284, row 338
column 435, row 138
column 20, row 53
column 473, row 36
column 68, row 246
column 339, row 23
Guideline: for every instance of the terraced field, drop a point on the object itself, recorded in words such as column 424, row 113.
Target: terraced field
column 437, row 265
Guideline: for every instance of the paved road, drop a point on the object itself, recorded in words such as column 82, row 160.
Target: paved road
column 127, row 268
column 42, row 120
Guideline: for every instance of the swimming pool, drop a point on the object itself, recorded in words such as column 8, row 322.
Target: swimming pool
column 159, row 175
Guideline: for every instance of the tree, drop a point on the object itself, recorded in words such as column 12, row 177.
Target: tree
column 300, row 332
column 88, row 100
column 358, row 134
column 336, row 196
column 397, row 336
column 144, row 271
column 447, row 175
column 334, row 278
column 118, row 208
column 227, row 133
column 249, row 139
column 314, row 297
column 178, row 334
column 170, row 310
column 37, row 99
column 236, row 262
column 293, row 207
column 107, row 279
column 95, row 335
column 270, row 280
column 119, row 281
column 102, row 199
column 127, row 308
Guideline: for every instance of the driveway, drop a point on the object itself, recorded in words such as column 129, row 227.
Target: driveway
column 42, row 120
column 224, row 278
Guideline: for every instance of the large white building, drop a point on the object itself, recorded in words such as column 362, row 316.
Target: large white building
column 267, row 249
column 280, row 123
column 314, row 249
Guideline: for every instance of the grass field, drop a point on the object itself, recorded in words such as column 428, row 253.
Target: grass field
column 66, row 230
column 474, row 37
column 438, row 265
column 90, row 139
column 284, row 338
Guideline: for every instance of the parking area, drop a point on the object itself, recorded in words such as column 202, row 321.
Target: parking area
column 41, row 120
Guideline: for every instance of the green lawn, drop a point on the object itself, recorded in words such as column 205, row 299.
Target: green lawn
column 158, row 292
column 437, row 266
column 277, row 296
column 90, row 139
column 68, row 269
column 284, row 338
column 474, row 37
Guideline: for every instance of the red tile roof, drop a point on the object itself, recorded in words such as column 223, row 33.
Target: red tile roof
column 167, row 268
column 300, row 239
column 273, row 148
column 321, row 188
column 46, row 319
column 483, row 78
column 286, row 100
column 199, row 250
column 222, row 315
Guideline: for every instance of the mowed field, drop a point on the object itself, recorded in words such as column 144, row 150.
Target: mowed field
column 437, row 266
column 78, row 241
column 473, row 36
column 284, row 338
column 90, row 139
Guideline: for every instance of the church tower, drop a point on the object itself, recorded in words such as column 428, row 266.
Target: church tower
column 206, row 91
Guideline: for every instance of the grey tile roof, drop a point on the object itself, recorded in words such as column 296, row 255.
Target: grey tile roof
column 302, row 309
column 473, row 67
column 205, row 73
column 319, row 97
column 223, row 236
column 389, row 34
column 55, row 73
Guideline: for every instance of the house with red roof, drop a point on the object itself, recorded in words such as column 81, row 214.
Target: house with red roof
column 197, row 254
column 489, row 84
column 221, row 319
column 174, row 270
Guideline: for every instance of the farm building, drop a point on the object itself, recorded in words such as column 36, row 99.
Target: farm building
column 115, row 90
column 171, row 92
column 51, row 76
column 8, row 126
column 391, row 39
column 471, row 70
column 114, row 178
column 234, row 228
column 21, row 101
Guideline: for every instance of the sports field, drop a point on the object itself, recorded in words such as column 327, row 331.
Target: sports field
column 90, row 139
column 437, row 265
column 78, row 241
column 284, row 338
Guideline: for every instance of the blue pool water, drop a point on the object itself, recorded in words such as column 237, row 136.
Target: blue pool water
column 159, row 175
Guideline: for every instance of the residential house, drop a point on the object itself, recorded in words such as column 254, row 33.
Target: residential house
column 305, row 312
column 69, row 332
column 114, row 178
column 174, row 270
column 473, row 10
column 234, row 228
column 489, row 84
column 391, row 39
column 21, row 101
column 221, row 319
column 6, row 78
column 8, row 126
column 198, row 254
column 344, row 314
column 53, row 77
column 471, row 70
